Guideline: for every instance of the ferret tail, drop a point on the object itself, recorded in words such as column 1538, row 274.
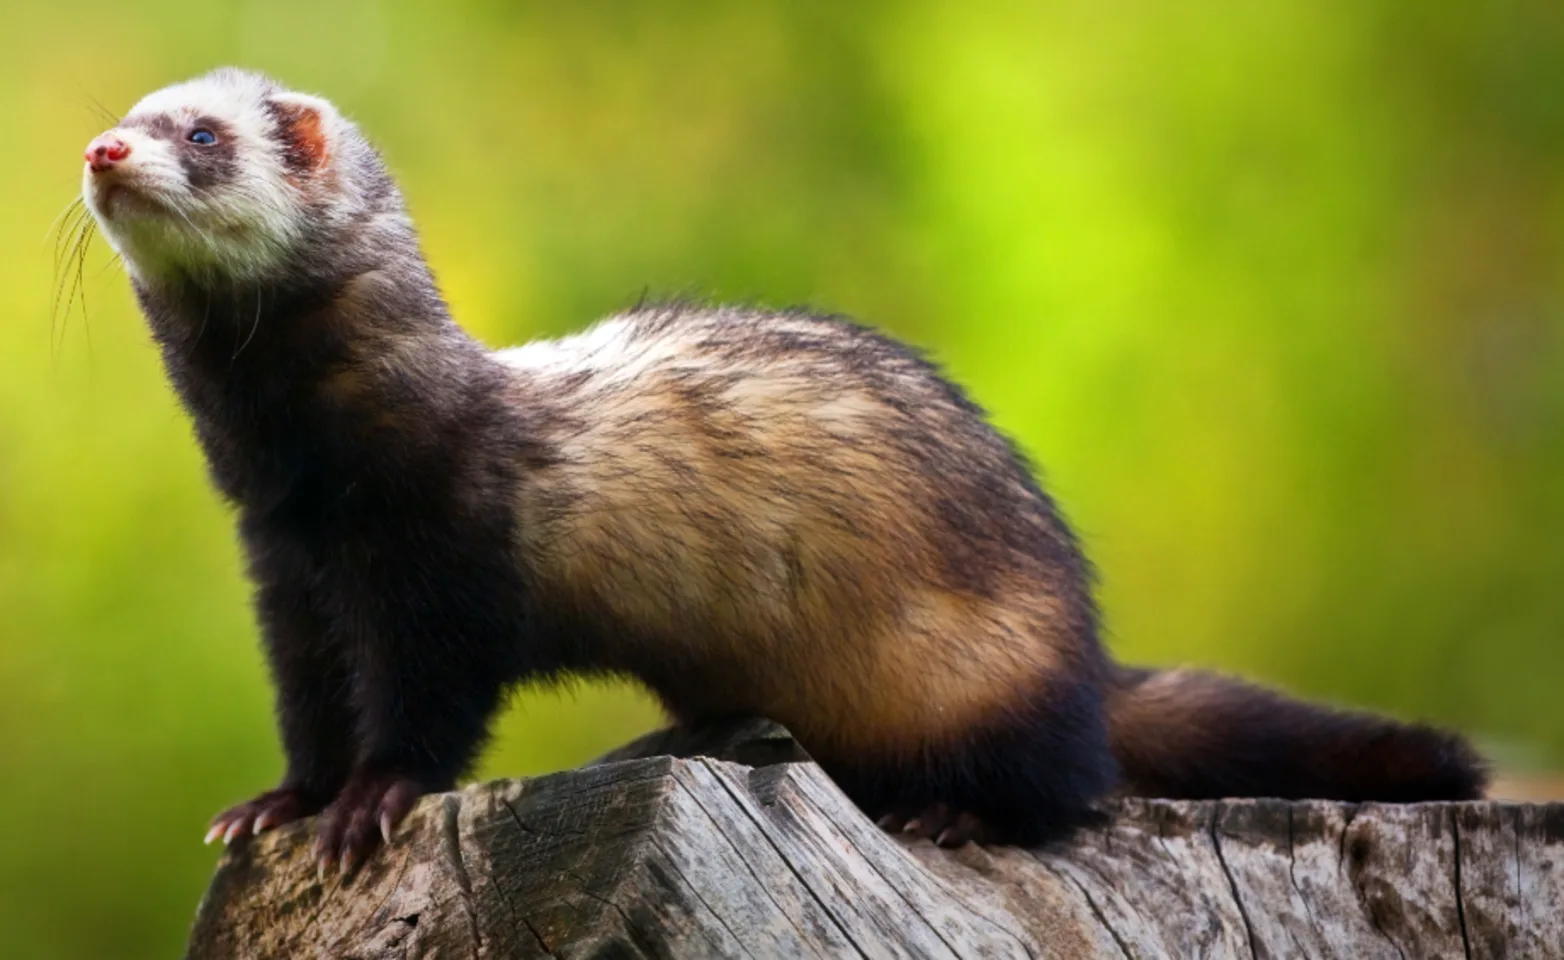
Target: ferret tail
column 1187, row 734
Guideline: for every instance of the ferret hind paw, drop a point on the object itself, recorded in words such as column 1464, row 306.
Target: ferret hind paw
column 938, row 822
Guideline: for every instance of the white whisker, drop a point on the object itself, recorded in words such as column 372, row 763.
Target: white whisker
column 253, row 327
column 72, row 207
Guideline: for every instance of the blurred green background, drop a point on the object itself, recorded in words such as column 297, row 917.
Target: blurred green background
column 1274, row 291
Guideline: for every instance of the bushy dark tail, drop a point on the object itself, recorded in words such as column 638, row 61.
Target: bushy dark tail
column 1182, row 733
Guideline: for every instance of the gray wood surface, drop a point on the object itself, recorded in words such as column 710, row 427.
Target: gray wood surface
column 706, row 857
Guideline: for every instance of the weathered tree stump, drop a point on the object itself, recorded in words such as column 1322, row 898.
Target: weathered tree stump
column 748, row 851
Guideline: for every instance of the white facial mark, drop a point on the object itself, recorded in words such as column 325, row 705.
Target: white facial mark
column 160, row 225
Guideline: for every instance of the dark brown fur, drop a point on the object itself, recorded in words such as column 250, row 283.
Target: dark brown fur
column 1183, row 733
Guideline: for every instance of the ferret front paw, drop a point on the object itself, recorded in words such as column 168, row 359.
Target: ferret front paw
column 271, row 809
column 364, row 813
column 939, row 822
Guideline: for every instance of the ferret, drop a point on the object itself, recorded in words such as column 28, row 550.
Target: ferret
column 751, row 512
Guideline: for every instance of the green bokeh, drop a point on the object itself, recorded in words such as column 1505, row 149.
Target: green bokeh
column 1273, row 291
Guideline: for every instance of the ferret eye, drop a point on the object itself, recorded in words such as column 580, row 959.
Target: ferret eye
column 202, row 137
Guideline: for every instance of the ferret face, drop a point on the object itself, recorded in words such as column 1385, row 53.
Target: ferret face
column 212, row 178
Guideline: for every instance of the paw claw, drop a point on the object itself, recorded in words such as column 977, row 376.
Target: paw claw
column 938, row 822
column 271, row 809
column 364, row 815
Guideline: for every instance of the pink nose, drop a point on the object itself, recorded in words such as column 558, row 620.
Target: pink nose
column 105, row 151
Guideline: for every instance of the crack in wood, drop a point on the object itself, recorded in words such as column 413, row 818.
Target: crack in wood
column 1520, row 892
column 1102, row 918
column 1232, row 884
column 1460, row 908
column 760, row 881
column 1353, row 882
column 451, row 844
column 765, row 834
column 1292, row 872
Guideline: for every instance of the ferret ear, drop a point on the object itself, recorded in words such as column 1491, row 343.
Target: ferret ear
column 304, row 123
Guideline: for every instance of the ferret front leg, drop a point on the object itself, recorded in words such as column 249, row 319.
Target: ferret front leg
column 423, row 714
column 313, row 714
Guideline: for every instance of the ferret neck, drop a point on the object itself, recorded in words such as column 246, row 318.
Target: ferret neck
column 309, row 375
column 289, row 332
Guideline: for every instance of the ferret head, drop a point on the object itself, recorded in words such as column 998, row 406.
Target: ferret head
column 230, row 177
